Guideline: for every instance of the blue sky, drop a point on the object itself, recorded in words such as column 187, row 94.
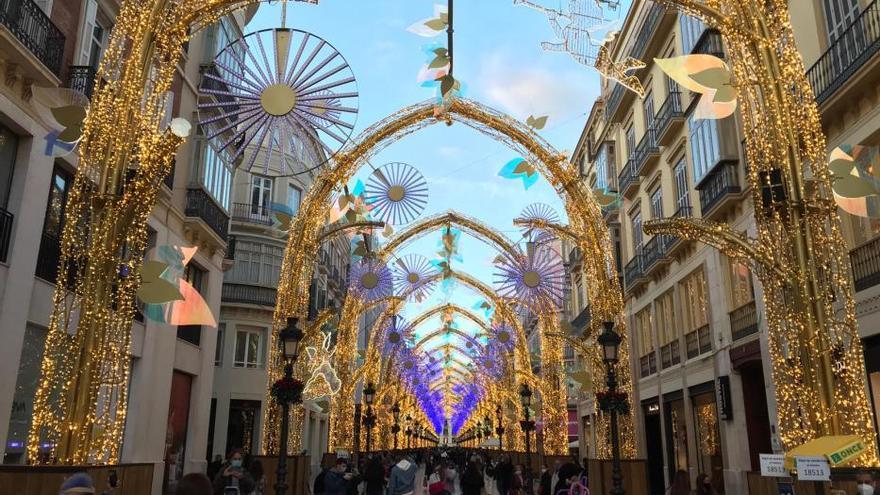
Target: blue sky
column 499, row 58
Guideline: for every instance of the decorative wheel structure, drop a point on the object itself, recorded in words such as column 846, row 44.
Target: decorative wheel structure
column 397, row 192
column 540, row 212
column 414, row 275
column 280, row 102
column 536, row 278
column 371, row 280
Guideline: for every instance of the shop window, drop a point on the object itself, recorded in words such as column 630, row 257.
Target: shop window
column 667, row 330
column 709, row 458
column 676, row 436
column 695, row 305
column 242, row 427
column 23, row 397
column 647, row 356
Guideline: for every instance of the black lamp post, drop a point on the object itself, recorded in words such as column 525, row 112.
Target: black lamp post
column 395, row 428
column 409, row 433
column 369, row 418
column 286, row 392
column 610, row 342
column 528, row 425
column 500, row 428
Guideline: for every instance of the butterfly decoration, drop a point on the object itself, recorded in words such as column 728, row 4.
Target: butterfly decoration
column 282, row 215
column 856, row 179
column 484, row 306
column 519, row 168
column 606, row 198
column 161, row 305
column 432, row 26
column 64, row 110
column 350, row 205
column 323, row 380
column 622, row 72
column 584, row 379
column 707, row 75
column 537, row 123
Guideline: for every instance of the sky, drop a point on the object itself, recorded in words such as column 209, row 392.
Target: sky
column 498, row 57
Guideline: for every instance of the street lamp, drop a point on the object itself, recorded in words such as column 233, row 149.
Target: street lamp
column 610, row 342
column 395, row 428
column 409, row 433
column 287, row 391
column 500, row 428
column 369, row 418
column 525, row 395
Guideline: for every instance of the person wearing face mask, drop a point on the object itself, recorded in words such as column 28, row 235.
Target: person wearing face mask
column 233, row 479
column 546, row 484
column 704, row 485
column 866, row 483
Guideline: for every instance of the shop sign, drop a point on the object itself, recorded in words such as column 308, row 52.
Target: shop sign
column 785, row 488
column 722, row 392
column 843, row 455
column 810, row 468
column 773, row 465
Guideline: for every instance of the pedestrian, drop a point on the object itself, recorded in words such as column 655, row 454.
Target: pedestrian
column 546, row 483
column 435, row 481
column 232, row 478
column 681, row 484
column 472, row 480
column 451, row 479
column 865, row 483
column 504, row 475
column 568, row 474
column 335, row 479
column 704, row 485
column 403, row 477
column 78, row 484
column 195, row 484
column 374, row 476
column 255, row 468
column 516, row 487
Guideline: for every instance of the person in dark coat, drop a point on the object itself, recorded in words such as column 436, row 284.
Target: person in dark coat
column 546, row 481
column 504, row 476
column 568, row 474
column 472, row 480
column 233, row 475
column 336, row 479
column 374, row 476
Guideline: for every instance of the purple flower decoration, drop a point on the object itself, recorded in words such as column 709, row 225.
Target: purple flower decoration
column 414, row 275
column 371, row 280
column 535, row 278
column 397, row 192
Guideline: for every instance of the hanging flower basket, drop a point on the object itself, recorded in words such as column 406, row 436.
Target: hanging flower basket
column 613, row 401
column 287, row 391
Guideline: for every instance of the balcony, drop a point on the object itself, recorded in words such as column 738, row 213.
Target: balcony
column 6, row 220
column 849, row 53
column 251, row 213
column 230, row 248
column 582, row 321
column 743, row 321
column 633, row 273
column 199, row 204
column 654, row 256
column 698, row 342
column 609, row 212
column 675, row 243
column 865, row 261
column 669, row 119
column 719, row 188
column 646, row 153
column 249, row 294
column 33, row 28
column 648, row 365
column 82, row 78
column 670, row 354
column 629, row 179
column 614, row 101
column 710, row 43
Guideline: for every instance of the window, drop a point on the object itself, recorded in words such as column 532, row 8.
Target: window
column 682, row 191
column 218, row 352
column 196, row 277
column 215, row 174
column 691, row 30
column 23, row 397
column 657, row 203
column 647, row 357
column 705, row 145
column 637, row 232
column 695, row 306
column 649, row 111
column 94, row 36
column 261, row 194
column 604, row 165
column 58, row 190
column 839, row 15
column 256, row 264
column 8, row 150
column 294, row 196
column 249, row 348
column 667, row 334
column 741, row 291
column 630, row 140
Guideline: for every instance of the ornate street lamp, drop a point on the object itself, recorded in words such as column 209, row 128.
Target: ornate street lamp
column 610, row 342
column 369, row 418
column 286, row 392
column 528, row 425
column 500, row 428
column 395, row 428
column 409, row 433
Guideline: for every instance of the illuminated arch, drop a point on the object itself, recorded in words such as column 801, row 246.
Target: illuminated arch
column 430, row 224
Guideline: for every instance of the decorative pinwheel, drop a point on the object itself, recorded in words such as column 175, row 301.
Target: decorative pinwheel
column 397, row 193
column 535, row 278
column 414, row 275
column 371, row 279
column 397, row 333
column 540, row 212
column 279, row 102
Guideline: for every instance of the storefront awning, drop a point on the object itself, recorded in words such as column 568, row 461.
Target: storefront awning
column 838, row 449
column 574, row 445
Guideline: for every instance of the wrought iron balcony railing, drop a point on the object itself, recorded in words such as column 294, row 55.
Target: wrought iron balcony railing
column 655, row 251
column 249, row 294
column 720, row 182
column 633, row 271
column 82, row 78
column 743, row 321
column 865, row 261
column 251, row 213
column 580, row 323
column 33, row 28
column 628, row 177
column 646, row 151
column 199, row 204
column 847, row 54
column 6, row 220
column 669, row 113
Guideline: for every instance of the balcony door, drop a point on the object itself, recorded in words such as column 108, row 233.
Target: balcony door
column 93, row 40
column 261, row 196
column 846, row 39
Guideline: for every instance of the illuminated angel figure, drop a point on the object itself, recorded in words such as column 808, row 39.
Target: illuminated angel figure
column 575, row 28
column 323, row 381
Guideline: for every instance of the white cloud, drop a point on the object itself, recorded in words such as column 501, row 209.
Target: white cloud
column 523, row 90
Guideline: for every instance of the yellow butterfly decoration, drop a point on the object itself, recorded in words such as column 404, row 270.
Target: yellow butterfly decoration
column 707, row 75
column 537, row 123
column 154, row 289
